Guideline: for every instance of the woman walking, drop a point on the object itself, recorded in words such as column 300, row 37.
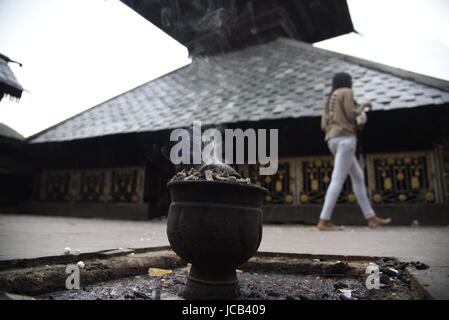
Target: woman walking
column 339, row 124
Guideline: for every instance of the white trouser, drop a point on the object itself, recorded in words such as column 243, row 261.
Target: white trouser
column 343, row 149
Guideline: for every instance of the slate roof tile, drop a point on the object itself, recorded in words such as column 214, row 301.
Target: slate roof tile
column 279, row 79
column 8, row 81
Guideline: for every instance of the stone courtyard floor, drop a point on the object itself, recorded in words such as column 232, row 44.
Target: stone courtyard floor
column 26, row 236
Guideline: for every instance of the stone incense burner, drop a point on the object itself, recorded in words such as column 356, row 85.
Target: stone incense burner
column 216, row 226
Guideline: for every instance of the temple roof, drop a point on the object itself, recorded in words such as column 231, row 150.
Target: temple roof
column 8, row 82
column 209, row 27
column 280, row 79
column 10, row 133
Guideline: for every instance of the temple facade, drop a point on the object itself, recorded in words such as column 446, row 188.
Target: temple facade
column 252, row 67
column 112, row 159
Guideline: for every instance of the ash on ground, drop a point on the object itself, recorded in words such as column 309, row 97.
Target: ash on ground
column 210, row 173
column 254, row 285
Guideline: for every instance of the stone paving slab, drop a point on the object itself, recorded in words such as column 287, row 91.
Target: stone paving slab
column 434, row 280
column 426, row 244
column 26, row 236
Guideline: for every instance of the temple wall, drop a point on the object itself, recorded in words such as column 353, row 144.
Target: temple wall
column 407, row 178
column 444, row 151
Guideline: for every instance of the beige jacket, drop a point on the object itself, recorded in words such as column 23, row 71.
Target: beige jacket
column 339, row 118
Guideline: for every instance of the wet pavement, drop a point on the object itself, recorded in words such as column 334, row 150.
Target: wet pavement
column 26, row 236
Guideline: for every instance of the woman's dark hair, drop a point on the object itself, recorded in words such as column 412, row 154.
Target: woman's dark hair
column 341, row 80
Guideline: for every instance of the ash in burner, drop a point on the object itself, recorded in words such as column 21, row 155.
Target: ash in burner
column 210, row 172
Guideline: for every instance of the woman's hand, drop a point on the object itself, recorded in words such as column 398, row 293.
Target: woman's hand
column 367, row 105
